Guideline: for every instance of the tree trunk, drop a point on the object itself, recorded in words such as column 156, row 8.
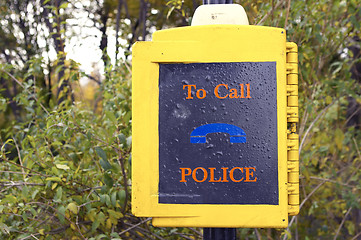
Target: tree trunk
column 120, row 2
column 104, row 40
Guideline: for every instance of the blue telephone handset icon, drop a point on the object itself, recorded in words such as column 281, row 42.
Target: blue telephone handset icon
column 237, row 135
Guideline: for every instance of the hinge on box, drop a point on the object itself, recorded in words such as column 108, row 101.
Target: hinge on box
column 292, row 137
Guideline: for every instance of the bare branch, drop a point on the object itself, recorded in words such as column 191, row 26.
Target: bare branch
column 342, row 222
column 120, row 2
column 270, row 12
column 134, row 226
column 301, row 205
column 356, row 236
column 6, row 160
column 12, row 172
column 56, row 210
column 18, row 82
column 333, row 181
column 94, row 79
column 287, row 13
column 313, row 123
column 19, row 155
column 16, row 184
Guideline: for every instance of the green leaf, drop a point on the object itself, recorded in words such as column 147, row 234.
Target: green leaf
column 9, row 199
column 25, row 216
column 101, row 236
column 114, row 235
column 103, row 161
column 110, row 115
column 350, row 227
column 101, row 153
column 32, row 210
column 355, row 21
column 64, row 5
column 105, row 164
column 4, row 228
column 61, row 214
column 127, row 117
column 129, row 141
column 122, row 138
column 108, row 180
column 59, row 194
column 318, row 37
column 121, row 195
column 25, row 192
column 95, row 224
column 107, row 200
column 114, row 199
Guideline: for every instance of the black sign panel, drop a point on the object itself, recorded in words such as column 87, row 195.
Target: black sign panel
column 218, row 133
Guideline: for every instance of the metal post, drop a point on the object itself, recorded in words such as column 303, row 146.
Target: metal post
column 219, row 233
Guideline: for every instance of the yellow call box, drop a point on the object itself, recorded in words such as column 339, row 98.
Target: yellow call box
column 215, row 109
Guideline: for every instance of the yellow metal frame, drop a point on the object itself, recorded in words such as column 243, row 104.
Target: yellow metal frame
column 206, row 44
column 292, row 119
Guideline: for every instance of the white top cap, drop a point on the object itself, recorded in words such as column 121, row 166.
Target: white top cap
column 220, row 14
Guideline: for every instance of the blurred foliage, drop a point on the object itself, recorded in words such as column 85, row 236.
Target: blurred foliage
column 65, row 147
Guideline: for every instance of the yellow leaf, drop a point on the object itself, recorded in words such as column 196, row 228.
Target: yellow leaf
column 77, row 170
column 115, row 214
column 41, row 231
column 328, row 100
column 91, row 215
column 113, row 220
column 73, row 226
column 339, row 136
column 54, row 179
column 72, row 207
column 62, row 166
column 108, row 224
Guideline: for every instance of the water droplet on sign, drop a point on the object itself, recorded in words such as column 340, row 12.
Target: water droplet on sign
column 220, row 153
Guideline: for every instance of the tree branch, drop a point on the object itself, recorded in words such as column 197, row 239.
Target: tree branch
column 134, row 226
column 342, row 222
column 120, row 2
column 18, row 82
column 313, row 123
column 16, row 184
column 270, row 12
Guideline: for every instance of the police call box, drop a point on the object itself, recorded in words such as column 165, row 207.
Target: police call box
column 214, row 140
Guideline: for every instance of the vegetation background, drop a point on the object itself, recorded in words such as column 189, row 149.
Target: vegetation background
column 65, row 146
